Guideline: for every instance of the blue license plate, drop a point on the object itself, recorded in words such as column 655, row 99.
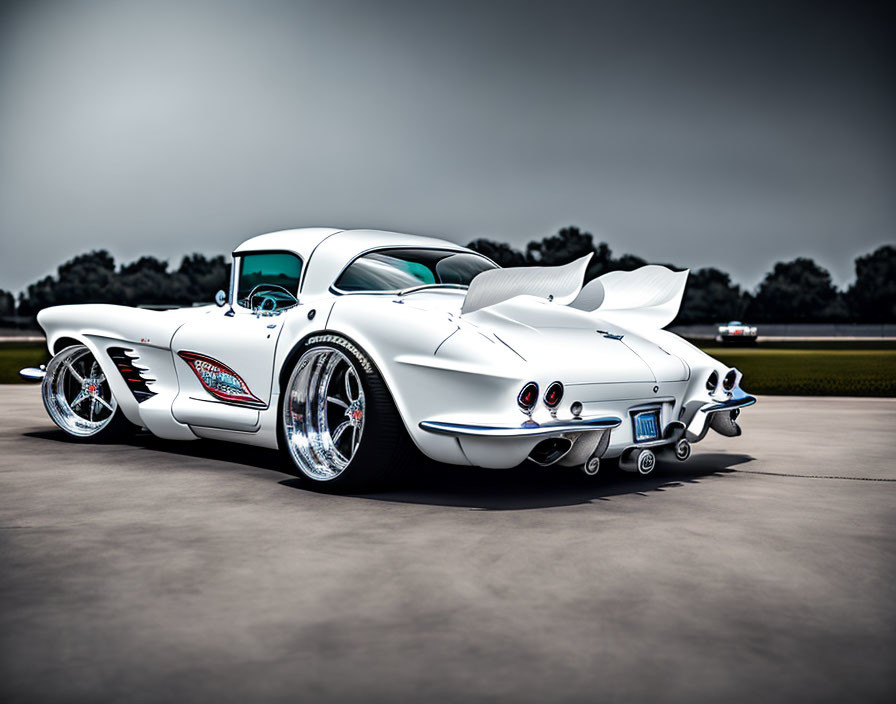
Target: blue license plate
column 647, row 426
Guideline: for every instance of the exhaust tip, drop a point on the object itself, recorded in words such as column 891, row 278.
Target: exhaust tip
column 682, row 450
column 646, row 462
column 591, row 466
column 550, row 450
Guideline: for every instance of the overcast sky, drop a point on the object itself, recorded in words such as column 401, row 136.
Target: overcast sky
column 723, row 134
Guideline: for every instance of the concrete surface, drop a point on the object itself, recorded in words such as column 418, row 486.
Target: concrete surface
column 761, row 570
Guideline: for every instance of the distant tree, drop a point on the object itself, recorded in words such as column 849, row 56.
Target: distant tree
column 7, row 304
column 627, row 262
column 600, row 263
column 88, row 278
column 872, row 298
column 566, row 246
column 710, row 297
column 502, row 254
column 799, row 291
column 202, row 277
column 143, row 281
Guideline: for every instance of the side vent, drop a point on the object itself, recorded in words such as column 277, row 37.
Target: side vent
column 133, row 376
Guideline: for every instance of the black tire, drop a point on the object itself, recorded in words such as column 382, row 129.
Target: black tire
column 384, row 447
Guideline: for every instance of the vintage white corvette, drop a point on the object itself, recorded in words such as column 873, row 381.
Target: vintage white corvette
column 346, row 348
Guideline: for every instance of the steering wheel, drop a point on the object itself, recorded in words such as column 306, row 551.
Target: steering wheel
column 270, row 296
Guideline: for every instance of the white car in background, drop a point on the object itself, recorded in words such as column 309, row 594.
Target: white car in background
column 347, row 348
column 736, row 332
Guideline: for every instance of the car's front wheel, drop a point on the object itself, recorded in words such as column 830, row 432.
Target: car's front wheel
column 338, row 423
column 78, row 398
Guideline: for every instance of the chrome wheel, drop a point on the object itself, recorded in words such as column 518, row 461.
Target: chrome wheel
column 323, row 413
column 76, row 393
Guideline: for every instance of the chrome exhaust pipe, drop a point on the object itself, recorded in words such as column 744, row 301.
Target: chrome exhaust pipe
column 638, row 459
column 682, row 450
column 646, row 462
column 591, row 466
column 550, row 450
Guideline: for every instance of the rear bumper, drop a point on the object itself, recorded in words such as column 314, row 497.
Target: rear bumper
column 729, row 405
column 526, row 430
column 500, row 445
column 608, row 431
column 700, row 422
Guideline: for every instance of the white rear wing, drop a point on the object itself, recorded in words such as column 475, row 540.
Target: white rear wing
column 646, row 297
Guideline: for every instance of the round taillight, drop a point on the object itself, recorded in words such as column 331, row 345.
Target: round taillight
column 528, row 396
column 553, row 395
column 712, row 382
column 728, row 381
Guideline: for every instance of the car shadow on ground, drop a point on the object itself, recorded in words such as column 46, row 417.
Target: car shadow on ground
column 430, row 483
column 530, row 486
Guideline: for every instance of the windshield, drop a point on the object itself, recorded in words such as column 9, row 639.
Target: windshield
column 268, row 272
column 397, row 269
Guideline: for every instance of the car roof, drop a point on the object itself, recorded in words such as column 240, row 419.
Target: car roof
column 301, row 241
column 326, row 251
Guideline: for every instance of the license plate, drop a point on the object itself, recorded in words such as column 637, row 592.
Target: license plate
column 647, row 426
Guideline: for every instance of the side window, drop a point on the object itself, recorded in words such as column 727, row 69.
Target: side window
column 277, row 268
column 396, row 269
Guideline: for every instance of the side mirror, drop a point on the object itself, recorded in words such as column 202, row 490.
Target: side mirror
column 220, row 299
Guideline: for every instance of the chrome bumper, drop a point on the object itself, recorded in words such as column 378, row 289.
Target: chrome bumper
column 528, row 429
column 699, row 423
column 731, row 404
column 33, row 373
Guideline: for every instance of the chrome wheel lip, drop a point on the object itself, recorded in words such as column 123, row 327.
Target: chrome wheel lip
column 324, row 411
column 85, row 412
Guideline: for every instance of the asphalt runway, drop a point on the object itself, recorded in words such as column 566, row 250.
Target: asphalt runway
column 761, row 570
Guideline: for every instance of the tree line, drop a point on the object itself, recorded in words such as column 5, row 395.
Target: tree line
column 798, row 291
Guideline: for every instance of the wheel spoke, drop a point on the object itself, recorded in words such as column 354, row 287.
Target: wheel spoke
column 348, row 384
column 104, row 402
column 92, row 407
column 355, row 439
column 340, row 429
column 79, row 398
column 337, row 401
column 71, row 370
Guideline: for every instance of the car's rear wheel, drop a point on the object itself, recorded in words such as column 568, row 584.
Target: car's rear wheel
column 78, row 398
column 338, row 423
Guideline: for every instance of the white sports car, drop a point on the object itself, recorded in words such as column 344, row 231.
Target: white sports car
column 736, row 332
column 346, row 348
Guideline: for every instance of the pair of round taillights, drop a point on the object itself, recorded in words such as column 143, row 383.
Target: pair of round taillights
column 529, row 396
column 727, row 383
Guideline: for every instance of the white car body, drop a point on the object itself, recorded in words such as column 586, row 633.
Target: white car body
column 454, row 360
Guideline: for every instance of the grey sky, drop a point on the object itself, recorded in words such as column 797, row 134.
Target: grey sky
column 701, row 134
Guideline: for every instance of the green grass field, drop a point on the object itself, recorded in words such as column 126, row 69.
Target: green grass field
column 810, row 369
column 15, row 355
column 813, row 370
